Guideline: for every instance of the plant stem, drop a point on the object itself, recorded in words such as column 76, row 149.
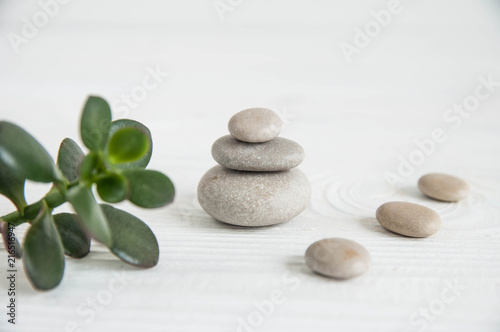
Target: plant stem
column 54, row 198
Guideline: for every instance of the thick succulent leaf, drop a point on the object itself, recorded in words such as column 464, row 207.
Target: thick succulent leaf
column 149, row 189
column 133, row 240
column 43, row 253
column 69, row 158
column 112, row 188
column 20, row 152
column 75, row 240
column 95, row 123
column 89, row 166
column 10, row 242
column 117, row 127
column 127, row 145
column 12, row 187
column 90, row 214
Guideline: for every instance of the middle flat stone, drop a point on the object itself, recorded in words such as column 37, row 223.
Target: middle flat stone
column 279, row 154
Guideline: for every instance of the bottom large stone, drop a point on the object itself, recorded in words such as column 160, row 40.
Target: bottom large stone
column 253, row 198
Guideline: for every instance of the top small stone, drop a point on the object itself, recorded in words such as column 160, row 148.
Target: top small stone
column 255, row 125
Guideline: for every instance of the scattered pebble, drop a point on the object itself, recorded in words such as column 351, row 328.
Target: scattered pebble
column 408, row 219
column 338, row 258
column 280, row 154
column 253, row 198
column 255, row 125
column 443, row 187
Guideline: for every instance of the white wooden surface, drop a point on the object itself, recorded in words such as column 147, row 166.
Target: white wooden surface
column 354, row 120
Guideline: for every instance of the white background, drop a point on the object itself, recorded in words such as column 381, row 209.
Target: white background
column 355, row 120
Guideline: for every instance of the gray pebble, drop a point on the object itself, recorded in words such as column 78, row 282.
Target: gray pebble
column 280, row 154
column 255, row 125
column 443, row 187
column 253, row 198
column 408, row 219
column 338, row 258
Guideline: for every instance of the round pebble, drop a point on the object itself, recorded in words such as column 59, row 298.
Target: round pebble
column 338, row 258
column 280, row 154
column 255, row 125
column 443, row 187
column 253, row 198
column 408, row 219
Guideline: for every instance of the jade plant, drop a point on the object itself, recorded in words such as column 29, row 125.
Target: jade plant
column 119, row 152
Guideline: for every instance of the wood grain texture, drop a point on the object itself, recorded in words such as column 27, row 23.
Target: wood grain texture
column 354, row 121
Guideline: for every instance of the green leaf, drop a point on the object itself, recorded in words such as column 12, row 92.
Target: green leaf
column 95, row 123
column 112, row 148
column 69, row 158
column 43, row 252
column 149, row 189
column 89, row 167
column 127, row 145
column 112, row 188
column 133, row 240
column 10, row 242
column 12, row 187
column 20, row 152
column 90, row 214
column 75, row 240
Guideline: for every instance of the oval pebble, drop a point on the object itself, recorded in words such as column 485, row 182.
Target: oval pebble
column 255, row 125
column 408, row 219
column 253, row 198
column 338, row 258
column 280, row 154
column 443, row 187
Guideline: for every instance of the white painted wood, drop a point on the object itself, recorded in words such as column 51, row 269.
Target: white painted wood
column 354, row 121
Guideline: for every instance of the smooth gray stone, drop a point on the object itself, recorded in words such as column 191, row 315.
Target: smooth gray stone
column 253, row 198
column 255, row 125
column 280, row 154
column 338, row 258
column 443, row 187
column 408, row 219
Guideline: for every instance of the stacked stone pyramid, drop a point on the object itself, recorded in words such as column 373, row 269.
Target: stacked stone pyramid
column 257, row 182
